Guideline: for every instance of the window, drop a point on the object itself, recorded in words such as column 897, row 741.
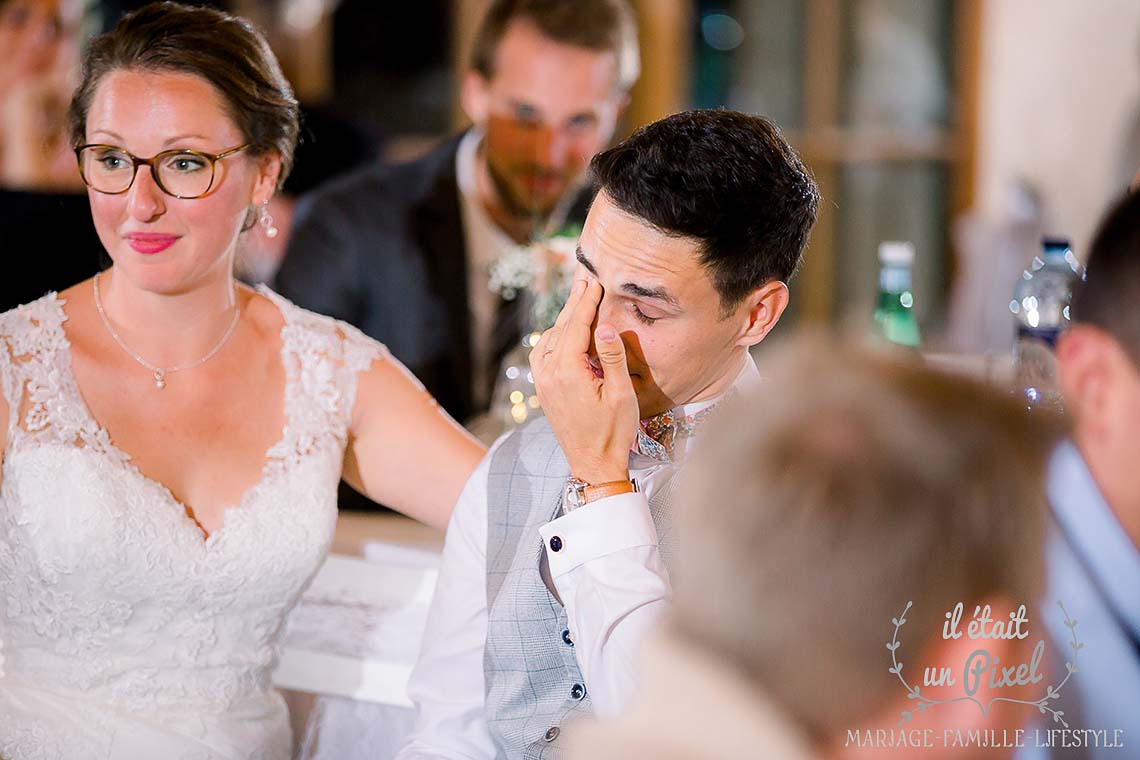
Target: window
column 877, row 95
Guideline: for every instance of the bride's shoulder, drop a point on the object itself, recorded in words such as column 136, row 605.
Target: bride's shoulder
column 35, row 319
column 320, row 333
column 266, row 314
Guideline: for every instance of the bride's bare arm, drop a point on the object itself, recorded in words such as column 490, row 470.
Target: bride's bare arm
column 403, row 450
column 3, row 431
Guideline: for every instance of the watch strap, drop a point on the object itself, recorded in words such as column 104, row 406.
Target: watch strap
column 605, row 490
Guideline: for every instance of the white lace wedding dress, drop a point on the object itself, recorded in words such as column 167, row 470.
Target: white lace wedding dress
column 125, row 633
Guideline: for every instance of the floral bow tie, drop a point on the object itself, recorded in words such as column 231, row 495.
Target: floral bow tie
column 657, row 435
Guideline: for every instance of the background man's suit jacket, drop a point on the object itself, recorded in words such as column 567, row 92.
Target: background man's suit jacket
column 383, row 248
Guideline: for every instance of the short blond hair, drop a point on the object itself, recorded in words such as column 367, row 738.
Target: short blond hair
column 846, row 486
column 600, row 25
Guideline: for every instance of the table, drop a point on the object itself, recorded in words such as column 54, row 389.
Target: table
column 350, row 644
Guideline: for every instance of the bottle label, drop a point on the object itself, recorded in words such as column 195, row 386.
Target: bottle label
column 1047, row 335
column 894, row 279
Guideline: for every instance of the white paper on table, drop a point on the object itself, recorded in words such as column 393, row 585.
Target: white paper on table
column 356, row 632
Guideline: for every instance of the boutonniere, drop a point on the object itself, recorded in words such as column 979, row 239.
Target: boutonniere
column 543, row 270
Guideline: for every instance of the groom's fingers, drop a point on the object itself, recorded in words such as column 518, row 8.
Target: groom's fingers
column 539, row 353
column 576, row 292
column 550, row 337
column 575, row 337
column 611, row 354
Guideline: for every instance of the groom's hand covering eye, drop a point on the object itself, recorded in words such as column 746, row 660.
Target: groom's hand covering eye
column 593, row 417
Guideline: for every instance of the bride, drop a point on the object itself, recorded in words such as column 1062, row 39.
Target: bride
column 172, row 441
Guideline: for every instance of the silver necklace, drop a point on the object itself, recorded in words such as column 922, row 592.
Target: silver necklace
column 160, row 373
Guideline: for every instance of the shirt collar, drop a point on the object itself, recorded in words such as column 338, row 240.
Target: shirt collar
column 747, row 377
column 465, row 161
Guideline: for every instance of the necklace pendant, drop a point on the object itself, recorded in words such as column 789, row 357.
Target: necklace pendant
column 159, row 372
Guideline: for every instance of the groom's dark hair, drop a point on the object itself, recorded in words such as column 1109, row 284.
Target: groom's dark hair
column 726, row 179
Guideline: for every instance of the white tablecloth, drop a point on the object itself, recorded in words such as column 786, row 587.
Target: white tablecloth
column 349, row 648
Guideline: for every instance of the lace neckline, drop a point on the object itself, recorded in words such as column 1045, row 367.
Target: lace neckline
column 273, row 456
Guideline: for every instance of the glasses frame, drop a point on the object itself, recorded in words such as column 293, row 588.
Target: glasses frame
column 211, row 158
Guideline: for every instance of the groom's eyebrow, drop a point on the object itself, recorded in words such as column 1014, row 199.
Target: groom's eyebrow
column 584, row 261
column 657, row 294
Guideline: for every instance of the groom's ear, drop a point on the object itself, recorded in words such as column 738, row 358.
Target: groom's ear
column 759, row 312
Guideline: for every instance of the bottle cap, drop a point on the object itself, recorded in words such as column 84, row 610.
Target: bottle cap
column 1055, row 243
column 896, row 253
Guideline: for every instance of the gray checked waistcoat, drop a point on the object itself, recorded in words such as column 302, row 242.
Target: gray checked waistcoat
column 533, row 682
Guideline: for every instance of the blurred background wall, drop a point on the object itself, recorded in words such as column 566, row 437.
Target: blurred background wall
column 1059, row 101
column 965, row 126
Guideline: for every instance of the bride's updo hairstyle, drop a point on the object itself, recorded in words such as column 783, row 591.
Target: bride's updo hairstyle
column 223, row 49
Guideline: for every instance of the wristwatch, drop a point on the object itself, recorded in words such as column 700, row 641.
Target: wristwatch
column 579, row 492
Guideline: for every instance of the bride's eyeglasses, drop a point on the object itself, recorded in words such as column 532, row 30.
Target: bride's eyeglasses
column 181, row 173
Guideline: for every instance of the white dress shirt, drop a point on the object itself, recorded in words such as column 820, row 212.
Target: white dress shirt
column 608, row 574
column 1093, row 568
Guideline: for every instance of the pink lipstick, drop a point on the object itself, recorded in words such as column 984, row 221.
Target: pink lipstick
column 149, row 242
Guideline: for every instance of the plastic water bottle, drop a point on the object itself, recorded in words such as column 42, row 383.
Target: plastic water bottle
column 1041, row 306
column 894, row 315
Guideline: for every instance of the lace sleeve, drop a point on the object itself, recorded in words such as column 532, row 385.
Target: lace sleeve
column 358, row 352
column 29, row 336
column 325, row 359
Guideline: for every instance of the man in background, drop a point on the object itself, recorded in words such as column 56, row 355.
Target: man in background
column 403, row 252
column 1093, row 486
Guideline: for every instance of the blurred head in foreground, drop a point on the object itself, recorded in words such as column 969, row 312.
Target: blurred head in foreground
column 842, row 489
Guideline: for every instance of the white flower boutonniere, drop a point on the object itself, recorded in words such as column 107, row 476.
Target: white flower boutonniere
column 542, row 270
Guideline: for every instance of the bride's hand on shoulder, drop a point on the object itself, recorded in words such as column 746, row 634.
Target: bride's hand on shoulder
column 404, row 450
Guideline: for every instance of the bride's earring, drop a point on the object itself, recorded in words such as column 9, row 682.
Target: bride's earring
column 265, row 219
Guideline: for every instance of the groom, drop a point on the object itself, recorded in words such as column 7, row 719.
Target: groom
column 556, row 557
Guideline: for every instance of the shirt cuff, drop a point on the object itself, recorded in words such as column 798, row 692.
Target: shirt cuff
column 596, row 530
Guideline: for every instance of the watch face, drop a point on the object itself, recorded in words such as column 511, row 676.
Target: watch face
column 574, row 496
